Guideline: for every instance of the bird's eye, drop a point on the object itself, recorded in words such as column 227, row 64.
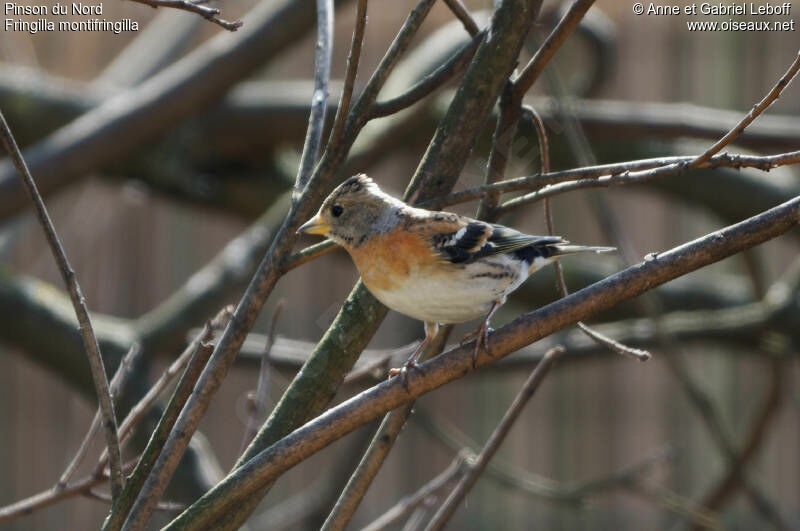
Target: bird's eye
column 337, row 210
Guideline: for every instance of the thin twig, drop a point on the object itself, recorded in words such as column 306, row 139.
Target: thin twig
column 117, row 383
column 680, row 167
column 51, row 496
column 138, row 411
column 146, row 469
column 259, row 399
column 707, row 411
column 757, row 109
column 452, row 502
column 405, row 505
column 616, row 346
column 319, row 100
column 547, row 50
column 424, row 87
column 78, row 303
column 505, row 129
column 505, row 473
column 350, row 75
column 380, row 446
column 462, row 14
column 677, row 504
column 727, row 485
column 208, row 13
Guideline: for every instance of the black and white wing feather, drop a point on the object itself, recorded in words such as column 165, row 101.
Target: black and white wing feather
column 477, row 239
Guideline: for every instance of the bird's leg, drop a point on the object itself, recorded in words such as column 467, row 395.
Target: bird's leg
column 482, row 332
column 430, row 332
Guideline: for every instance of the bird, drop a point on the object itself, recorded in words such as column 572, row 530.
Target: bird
column 437, row 267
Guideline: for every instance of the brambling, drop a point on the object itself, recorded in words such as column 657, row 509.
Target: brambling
column 438, row 267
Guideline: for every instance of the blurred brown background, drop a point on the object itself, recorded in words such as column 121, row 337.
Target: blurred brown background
column 132, row 246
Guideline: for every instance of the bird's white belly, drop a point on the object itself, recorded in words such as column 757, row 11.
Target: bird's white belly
column 458, row 296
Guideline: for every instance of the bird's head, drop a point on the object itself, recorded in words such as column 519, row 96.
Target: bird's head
column 354, row 211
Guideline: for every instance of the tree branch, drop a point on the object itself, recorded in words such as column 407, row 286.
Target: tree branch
column 635, row 177
column 380, row 446
column 550, row 46
column 136, row 502
column 194, row 6
column 117, row 383
column 757, row 109
column 319, row 100
column 465, row 484
column 79, row 305
column 456, row 363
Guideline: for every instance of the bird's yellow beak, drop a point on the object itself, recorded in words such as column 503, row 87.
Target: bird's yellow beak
column 315, row 225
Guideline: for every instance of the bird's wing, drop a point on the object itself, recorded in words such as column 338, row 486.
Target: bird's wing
column 460, row 240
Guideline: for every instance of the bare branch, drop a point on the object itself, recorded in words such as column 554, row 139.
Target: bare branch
column 757, row 109
column 424, row 87
column 452, row 502
column 727, row 485
column 379, row 448
column 452, row 473
column 138, row 411
column 51, row 496
column 353, row 59
column 319, row 100
column 679, row 167
column 437, row 173
column 704, row 406
column 117, row 383
column 135, row 498
column 551, row 45
column 456, row 363
column 544, row 150
column 78, row 304
column 462, row 14
column 208, row 13
column 259, row 398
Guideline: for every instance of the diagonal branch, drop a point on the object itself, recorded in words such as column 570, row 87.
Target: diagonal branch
column 466, row 483
column 462, row 14
column 147, row 469
column 380, row 446
column 194, row 6
column 452, row 473
column 78, row 304
column 757, row 109
column 424, row 87
column 342, row 419
column 550, row 46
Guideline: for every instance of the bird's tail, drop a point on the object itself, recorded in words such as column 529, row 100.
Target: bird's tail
column 561, row 250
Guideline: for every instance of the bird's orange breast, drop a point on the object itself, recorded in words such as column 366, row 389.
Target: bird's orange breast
column 385, row 261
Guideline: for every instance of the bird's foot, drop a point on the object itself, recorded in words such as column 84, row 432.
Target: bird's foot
column 482, row 334
column 403, row 371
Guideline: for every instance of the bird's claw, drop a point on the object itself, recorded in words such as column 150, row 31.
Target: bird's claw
column 483, row 338
column 403, row 371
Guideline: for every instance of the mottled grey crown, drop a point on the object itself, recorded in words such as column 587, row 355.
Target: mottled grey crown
column 354, row 185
